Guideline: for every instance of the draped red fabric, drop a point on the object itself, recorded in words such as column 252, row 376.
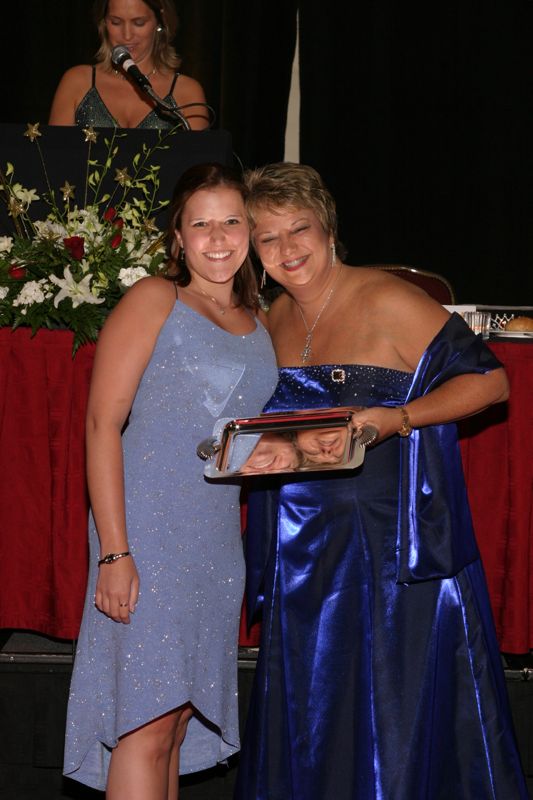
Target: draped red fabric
column 497, row 451
column 44, row 503
column 43, row 497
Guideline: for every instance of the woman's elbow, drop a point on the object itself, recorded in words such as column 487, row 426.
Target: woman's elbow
column 501, row 385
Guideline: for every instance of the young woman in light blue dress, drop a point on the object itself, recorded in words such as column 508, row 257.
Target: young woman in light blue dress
column 154, row 688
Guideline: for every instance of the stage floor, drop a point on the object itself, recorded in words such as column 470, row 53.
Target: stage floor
column 34, row 679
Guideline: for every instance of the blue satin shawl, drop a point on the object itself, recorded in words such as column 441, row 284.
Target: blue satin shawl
column 435, row 531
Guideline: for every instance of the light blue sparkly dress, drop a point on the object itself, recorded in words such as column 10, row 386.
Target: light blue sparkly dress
column 184, row 533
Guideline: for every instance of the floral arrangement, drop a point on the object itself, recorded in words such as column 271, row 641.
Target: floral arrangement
column 71, row 268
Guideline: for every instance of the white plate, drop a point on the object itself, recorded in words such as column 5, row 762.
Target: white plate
column 512, row 334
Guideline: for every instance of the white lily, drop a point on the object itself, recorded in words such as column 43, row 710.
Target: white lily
column 78, row 292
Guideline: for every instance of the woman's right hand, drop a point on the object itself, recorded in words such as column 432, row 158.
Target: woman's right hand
column 117, row 589
column 386, row 419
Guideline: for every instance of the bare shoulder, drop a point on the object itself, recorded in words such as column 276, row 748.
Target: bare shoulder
column 149, row 295
column 143, row 309
column 189, row 88
column 190, row 96
column 278, row 312
column 394, row 297
column 79, row 76
column 396, row 313
column 72, row 87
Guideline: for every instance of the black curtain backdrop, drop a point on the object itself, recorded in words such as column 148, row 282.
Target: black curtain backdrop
column 420, row 120
column 418, row 117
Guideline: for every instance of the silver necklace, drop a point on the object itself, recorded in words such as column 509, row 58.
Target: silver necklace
column 124, row 77
column 306, row 352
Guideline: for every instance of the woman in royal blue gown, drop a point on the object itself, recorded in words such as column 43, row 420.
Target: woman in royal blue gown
column 379, row 675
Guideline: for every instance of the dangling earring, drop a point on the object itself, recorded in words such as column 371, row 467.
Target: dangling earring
column 181, row 256
column 333, row 254
column 263, row 279
column 159, row 29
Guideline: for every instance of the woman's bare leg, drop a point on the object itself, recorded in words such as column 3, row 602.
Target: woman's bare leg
column 174, row 763
column 140, row 763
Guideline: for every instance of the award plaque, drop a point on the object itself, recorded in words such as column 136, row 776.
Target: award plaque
column 285, row 442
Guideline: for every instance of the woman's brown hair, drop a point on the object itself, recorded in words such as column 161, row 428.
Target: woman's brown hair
column 207, row 176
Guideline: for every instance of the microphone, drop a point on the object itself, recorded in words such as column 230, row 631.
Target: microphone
column 120, row 57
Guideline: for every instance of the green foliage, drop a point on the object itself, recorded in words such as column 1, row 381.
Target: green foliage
column 70, row 269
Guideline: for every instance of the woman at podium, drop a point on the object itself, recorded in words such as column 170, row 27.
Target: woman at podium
column 107, row 95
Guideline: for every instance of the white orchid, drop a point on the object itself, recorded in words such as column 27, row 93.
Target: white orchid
column 24, row 196
column 6, row 243
column 47, row 229
column 4, row 291
column 86, row 223
column 77, row 292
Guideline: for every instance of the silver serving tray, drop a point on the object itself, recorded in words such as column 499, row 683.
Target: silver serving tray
column 285, row 442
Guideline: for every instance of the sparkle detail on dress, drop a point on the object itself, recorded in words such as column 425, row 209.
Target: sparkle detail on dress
column 184, row 534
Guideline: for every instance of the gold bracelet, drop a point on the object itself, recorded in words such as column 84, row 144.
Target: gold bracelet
column 406, row 428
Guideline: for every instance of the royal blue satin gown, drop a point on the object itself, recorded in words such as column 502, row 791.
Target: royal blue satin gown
column 379, row 676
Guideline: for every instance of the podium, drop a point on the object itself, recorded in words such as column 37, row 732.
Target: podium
column 61, row 153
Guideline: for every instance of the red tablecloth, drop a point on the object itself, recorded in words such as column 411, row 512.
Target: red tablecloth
column 43, row 498
column 497, row 450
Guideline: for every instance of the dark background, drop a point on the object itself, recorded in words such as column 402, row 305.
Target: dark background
column 419, row 117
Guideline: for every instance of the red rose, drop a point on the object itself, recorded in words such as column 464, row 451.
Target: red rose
column 76, row 247
column 118, row 223
column 16, row 271
column 115, row 241
column 110, row 214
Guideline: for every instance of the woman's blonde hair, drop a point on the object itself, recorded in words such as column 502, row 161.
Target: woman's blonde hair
column 164, row 55
column 289, row 185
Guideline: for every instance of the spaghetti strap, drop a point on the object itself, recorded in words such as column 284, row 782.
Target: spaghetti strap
column 174, row 281
column 176, row 76
column 93, row 84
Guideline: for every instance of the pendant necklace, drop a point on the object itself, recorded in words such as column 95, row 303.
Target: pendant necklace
column 221, row 309
column 306, row 352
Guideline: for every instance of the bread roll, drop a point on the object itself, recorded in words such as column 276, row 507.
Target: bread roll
column 520, row 324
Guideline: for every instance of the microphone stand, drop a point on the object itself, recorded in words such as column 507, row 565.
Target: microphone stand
column 167, row 109
column 121, row 59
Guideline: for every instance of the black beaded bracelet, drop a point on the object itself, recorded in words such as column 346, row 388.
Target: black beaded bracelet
column 110, row 558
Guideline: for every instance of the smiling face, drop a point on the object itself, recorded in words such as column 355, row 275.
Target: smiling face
column 293, row 246
column 273, row 453
column 214, row 234
column 133, row 24
column 323, row 446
